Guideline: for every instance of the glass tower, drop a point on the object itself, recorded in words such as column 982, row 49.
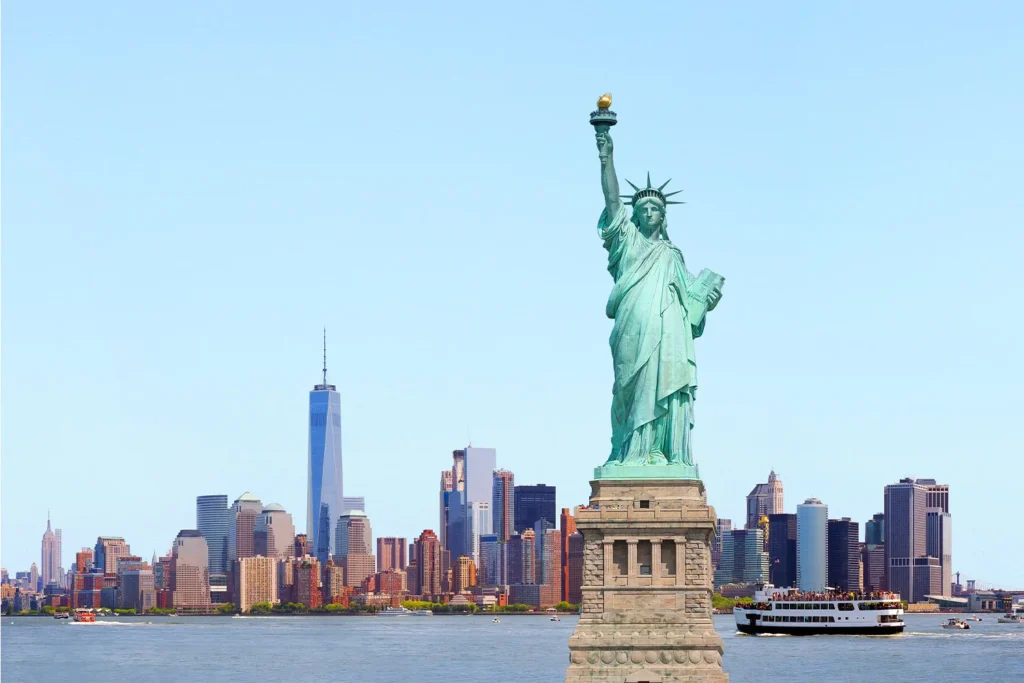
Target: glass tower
column 324, row 499
column 212, row 520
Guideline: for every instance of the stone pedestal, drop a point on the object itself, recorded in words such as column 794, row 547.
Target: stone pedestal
column 647, row 585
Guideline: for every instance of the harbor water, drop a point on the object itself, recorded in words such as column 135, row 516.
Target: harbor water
column 456, row 649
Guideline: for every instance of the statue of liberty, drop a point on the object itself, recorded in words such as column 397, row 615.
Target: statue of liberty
column 659, row 308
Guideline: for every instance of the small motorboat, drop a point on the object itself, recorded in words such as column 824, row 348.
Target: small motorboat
column 496, row 620
column 956, row 624
column 1011, row 619
column 555, row 618
column 973, row 617
column 61, row 615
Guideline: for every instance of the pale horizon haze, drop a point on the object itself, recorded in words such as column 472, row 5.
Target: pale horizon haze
column 192, row 192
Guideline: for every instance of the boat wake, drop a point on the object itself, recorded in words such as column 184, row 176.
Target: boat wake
column 110, row 623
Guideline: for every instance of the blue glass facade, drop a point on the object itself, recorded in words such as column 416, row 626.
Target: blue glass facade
column 324, row 500
column 213, row 517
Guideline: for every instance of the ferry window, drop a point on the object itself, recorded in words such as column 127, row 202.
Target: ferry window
column 817, row 605
column 620, row 558
column 831, row 620
column 846, row 607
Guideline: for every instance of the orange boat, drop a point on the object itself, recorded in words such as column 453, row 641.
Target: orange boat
column 85, row 617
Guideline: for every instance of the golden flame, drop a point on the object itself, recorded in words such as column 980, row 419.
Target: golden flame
column 604, row 101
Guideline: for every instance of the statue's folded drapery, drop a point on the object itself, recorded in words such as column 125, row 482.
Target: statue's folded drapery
column 652, row 346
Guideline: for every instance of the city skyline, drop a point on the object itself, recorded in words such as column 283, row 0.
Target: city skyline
column 177, row 290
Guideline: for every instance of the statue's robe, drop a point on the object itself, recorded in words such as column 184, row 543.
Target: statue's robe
column 652, row 345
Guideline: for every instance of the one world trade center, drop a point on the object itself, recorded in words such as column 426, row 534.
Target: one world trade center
column 323, row 505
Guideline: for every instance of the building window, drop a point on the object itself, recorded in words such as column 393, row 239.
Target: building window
column 668, row 558
column 645, row 504
column 643, row 557
column 620, row 558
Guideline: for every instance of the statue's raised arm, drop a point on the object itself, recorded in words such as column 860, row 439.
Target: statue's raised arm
column 609, row 183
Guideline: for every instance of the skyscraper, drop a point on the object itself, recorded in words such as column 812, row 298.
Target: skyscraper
column 905, row 535
column 533, row 503
column 782, row 550
column 503, row 504
column 350, row 503
column 190, row 570
column 464, row 574
column 874, row 530
column 743, row 558
column 939, row 544
column 480, row 524
column 521, row 557
column 490, row 573
column 549, row 565
column 811, row 545
column 242, row 525
column 428, row 560
column 844, row 555
column 480, row 464
column 108, row 549
column 354, row 538
column 567, row 527
column 716, row 545
column 257, row 582
column 307, row 582
column 274, row 533
column 575, row 596
column 212, row 521
column 936, row 495
column 50, row 562
column 391, row 553
column 445, row 489
column 764, row 500
column 324, row 499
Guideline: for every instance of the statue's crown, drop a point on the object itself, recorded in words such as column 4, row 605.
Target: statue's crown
column 650, row 191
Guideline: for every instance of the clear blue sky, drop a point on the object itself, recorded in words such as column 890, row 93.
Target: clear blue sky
column 190, row 193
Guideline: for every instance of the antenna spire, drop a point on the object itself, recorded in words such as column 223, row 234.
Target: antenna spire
column 325, row 356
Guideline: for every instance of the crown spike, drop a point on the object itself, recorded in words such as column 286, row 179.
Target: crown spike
column 667, row 202
column 669, row 194
column 632, row 185
column 648, row 180
column 664, row 184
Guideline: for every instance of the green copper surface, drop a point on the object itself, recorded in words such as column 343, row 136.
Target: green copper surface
column 659, row 308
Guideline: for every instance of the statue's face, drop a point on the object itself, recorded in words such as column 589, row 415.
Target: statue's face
column 652, row 217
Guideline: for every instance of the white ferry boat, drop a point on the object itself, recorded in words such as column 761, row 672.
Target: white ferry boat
column 786, row 611
column 395, row 612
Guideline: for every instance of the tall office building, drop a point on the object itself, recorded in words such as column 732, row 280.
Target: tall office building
column 464, row 573
column 445, row 489
column 457, row 533
column 137, row 590
column 939, row 544
column 307, row 582
column 567, row 528
column 905, row 535
column 844, row 555
column 533, row 503
column 350, row 503
column 520, row 549
column 936, row 495
column 353, row 535
column 873, row 559
column 391, row 553
column 480, row 524
column 723, row 525
column 480, row 464
column 549, row 566
column 874, row 530
column 274, row 533
column 575, row 596
column 782, row 550
column 242, row 525
column 257, row 582
column 190, row 570
column 50, row 562
column 324, row 497
column 212, row 520
column 503, row 504
column 764, row 500
column 811, row 546
column 108, row 549
column 743, row 558
column 428, row 561
column 491, row 549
